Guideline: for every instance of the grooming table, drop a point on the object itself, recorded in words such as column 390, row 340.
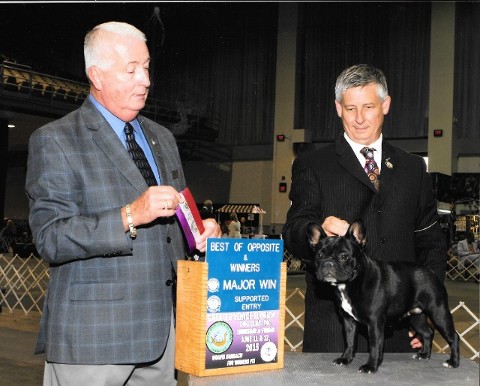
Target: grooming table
column 305, row 369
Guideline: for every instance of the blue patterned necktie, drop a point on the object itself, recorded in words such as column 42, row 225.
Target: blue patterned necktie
column 371, row 167
column 138, row 156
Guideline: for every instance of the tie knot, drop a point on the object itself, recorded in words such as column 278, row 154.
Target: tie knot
column 367, row 152
column 128, row 128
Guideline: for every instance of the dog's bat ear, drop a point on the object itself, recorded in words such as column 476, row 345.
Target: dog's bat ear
column 314, row 233
column 356, row 231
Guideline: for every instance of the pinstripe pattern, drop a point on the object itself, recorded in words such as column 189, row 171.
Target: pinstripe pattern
column 107, row 300
column 330, row 181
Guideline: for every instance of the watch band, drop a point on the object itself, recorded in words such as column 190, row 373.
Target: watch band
column 133, row 230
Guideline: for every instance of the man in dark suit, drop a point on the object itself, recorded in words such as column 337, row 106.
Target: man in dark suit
column 395, row 200
column 111, row 238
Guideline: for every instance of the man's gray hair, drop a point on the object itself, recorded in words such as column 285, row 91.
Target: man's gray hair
column 360, row 75
column 93, row 44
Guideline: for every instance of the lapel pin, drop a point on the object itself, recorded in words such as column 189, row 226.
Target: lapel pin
column 388, row 164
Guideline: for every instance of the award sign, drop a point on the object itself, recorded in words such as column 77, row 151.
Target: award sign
column 231, row 308
column 243, row 302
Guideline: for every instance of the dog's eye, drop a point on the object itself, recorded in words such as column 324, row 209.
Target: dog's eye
column 343, row 257
column 320, row 255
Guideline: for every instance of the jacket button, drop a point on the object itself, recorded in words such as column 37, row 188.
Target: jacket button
column 169, row 283
column 169, row 239
column 383, row 240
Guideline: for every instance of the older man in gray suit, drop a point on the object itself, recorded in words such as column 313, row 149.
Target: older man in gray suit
column 112, row 241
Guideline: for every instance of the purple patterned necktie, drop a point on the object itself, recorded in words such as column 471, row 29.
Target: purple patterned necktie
column 138, row 156
column 371, row 167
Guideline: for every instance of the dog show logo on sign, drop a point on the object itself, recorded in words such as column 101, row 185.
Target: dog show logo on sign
column 243, row 301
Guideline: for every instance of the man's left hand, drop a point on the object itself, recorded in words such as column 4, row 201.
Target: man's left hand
column 212, row 229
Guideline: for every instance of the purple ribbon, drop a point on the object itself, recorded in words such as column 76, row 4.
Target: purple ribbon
column 186, row 229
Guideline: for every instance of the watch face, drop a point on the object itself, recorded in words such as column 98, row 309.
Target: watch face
column 213, row 304
column 219, row 337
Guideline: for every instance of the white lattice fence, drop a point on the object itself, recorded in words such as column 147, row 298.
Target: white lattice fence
column 23, row 282
column 294, row 319
column 462, row 271
column 469, row 335
column 293, row 264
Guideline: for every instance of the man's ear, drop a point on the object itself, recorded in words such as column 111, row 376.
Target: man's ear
column 386, row 105
column 314, row 233
column 356, row 231
column 338, row 106
column 95, row 76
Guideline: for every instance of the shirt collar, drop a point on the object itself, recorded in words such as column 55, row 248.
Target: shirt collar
column 116, row 123
column 356, row 147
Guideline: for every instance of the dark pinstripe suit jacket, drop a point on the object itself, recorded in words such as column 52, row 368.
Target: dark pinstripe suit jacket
column 400, row 220
column 107, row 300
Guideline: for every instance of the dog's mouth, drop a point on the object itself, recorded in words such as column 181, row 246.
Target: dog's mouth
column 330, row 273
column 329, row 278
column 327, row 274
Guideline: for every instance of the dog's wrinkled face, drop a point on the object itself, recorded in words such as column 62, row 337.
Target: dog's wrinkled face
column 337, row 258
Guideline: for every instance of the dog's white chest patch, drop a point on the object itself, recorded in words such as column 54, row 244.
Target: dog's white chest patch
column 347, row 307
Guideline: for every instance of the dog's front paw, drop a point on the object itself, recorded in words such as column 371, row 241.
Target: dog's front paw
column 367, row 369
column 342, row 361
column 421, row 356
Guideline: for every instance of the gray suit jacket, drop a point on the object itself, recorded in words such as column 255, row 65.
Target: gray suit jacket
column 108, row 301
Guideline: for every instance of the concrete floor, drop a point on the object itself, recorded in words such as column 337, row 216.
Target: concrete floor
column 20, row 367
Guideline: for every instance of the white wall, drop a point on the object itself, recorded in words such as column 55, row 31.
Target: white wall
column 252, row 183
column 468, row 164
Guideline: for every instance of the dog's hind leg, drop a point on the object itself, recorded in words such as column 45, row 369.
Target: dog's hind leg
column 443, row 321
column 424, row 331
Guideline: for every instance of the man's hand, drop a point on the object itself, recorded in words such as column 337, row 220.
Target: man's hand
column 334, row 226
column 415, row 343
column 155, row 202
column 212, row 229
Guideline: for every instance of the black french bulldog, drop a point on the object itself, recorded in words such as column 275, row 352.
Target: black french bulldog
column 372, row 292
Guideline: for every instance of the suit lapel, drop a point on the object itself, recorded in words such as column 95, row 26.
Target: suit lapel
column 108, row 142
column 387, row 180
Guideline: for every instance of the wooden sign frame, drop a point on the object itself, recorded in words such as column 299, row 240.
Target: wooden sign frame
column 190, row 351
